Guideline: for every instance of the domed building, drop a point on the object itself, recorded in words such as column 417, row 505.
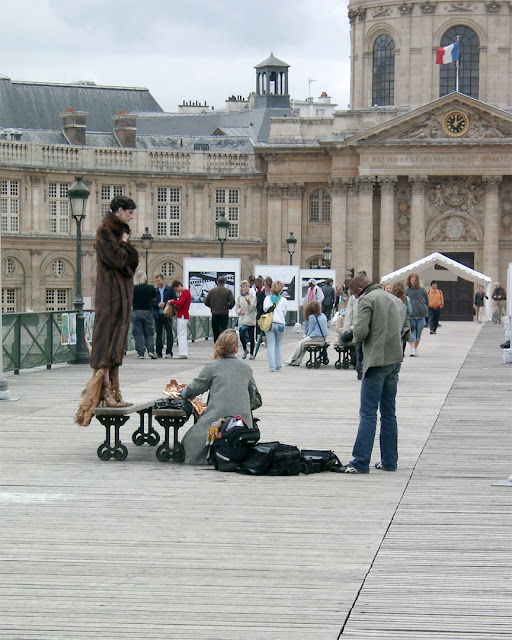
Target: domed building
column 422, row 161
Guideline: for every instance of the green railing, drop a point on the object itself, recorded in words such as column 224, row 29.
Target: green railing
column 34, row 339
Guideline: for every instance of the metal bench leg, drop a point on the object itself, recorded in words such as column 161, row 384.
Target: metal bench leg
column 164, row 451
column 118, row 451
column 140, row 436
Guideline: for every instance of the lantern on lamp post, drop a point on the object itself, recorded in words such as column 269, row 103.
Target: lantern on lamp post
column 78, row 194
column 327, row 255
column 222, row 226
column 146, row 241
column 291, row 241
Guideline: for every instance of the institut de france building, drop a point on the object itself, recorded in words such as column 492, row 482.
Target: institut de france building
column 411, row 168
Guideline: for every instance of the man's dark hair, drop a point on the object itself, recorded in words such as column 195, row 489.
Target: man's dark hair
column 221, row 280
column 159, row 275
column 433, row 282
column 176, row 283
column 251, row 278
column 122, row 201
column 359, row 282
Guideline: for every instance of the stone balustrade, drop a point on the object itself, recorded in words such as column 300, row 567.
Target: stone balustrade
column 64, row 157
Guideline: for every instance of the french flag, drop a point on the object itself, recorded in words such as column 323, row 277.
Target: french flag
column 450, row 53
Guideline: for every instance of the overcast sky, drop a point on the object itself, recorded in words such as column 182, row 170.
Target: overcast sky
column 201, row 50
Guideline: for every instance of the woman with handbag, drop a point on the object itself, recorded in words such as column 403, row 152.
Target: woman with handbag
column 246, row 310
column 317, row 333
column 276, row 304
column 232, row 392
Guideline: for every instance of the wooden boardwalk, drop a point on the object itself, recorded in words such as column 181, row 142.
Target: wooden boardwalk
column 147, row 550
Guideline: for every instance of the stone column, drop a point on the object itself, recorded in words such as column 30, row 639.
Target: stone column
column 339, row 188
column 364, row 255
column 256, row 214
column 387, row 225
column 142, row 215
column 417, row 238
column 295, row 192
column 492, row 227
column 35, row 297
column 199, row 211
column 275, row 194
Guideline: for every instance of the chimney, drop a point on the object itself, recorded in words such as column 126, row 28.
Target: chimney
column 74, row 126
column 125, row 128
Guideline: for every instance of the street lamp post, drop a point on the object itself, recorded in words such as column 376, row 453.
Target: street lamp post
column 146, row 241
column 291, row 241
column 328, row 255
column 78, row 194
column 222, row 226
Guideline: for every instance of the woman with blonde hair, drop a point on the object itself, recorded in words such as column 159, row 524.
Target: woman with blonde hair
column 232, row 392
column 276, row 302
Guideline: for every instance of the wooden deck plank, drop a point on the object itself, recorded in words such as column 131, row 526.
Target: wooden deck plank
column 143, row 549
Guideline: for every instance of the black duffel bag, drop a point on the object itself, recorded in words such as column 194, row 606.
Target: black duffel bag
column 272, row 459
column 316, row 461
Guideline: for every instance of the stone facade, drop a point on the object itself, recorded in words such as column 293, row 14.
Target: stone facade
column 384, row 186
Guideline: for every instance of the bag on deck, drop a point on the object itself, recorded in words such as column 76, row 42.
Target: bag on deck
column 271, row 458
column 232, row 443
column 313, row 461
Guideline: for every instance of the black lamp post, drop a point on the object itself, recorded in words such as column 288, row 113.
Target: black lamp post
column 78, row 194
column 328, row 255
column 291, row 241
column 222, row 231
column 146, row 241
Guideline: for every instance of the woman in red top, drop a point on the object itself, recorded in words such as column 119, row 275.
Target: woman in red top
column 182, row 305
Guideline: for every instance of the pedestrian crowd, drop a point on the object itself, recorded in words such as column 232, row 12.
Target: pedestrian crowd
column 373, row 321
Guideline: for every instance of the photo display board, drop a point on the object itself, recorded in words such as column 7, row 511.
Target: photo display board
column 320, row 275
column 288, row 275
column 200, row 275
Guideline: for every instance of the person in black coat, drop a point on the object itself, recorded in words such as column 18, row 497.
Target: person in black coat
column 164, row 293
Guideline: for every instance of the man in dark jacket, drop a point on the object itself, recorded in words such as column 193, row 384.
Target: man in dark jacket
column 329, row 296
column 164, row 293
column 220, row 300
column 382, row 326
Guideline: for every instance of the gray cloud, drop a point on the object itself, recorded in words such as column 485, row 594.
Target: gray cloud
column 200, row 50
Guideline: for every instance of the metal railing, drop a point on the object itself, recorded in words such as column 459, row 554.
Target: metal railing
column 34, row 339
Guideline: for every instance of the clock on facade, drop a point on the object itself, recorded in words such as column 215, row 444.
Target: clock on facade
column 455, row 123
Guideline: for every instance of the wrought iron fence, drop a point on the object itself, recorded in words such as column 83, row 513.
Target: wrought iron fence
column 34, row 339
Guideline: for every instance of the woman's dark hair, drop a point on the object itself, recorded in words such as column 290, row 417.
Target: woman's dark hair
column 398, row 290
column 415, row 286
column 312, row 308
column 122, row 202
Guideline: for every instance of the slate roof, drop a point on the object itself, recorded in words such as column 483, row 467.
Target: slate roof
column 256, row 122
column 271, row 61
column 38, row 105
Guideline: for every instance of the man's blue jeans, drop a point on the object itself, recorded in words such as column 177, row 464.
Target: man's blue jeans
column 378, row 389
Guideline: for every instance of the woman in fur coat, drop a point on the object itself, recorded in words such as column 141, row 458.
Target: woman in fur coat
column 117, row 261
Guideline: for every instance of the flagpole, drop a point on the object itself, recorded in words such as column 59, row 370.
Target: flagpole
column 457, row 70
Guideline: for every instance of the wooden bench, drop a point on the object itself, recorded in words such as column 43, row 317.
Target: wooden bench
column 315, row 355
column 346, row 356
column 116, row 417
column 170, row 419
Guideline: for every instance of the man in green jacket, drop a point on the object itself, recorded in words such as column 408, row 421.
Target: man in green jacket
column 383, row 328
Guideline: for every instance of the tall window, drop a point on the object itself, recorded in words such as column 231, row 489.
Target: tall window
column 58, row 207
column 56, row 299
column 469, row 60
column 109, row 191
column 227, row 202
column 168, row 211
column 8, row 300
column 383, row 87
column 9, row 205
column 320, row 206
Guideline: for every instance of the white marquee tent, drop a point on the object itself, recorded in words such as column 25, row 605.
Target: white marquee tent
column 452, row 265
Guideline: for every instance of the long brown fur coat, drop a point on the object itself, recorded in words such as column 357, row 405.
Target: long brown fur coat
column 116, row 264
